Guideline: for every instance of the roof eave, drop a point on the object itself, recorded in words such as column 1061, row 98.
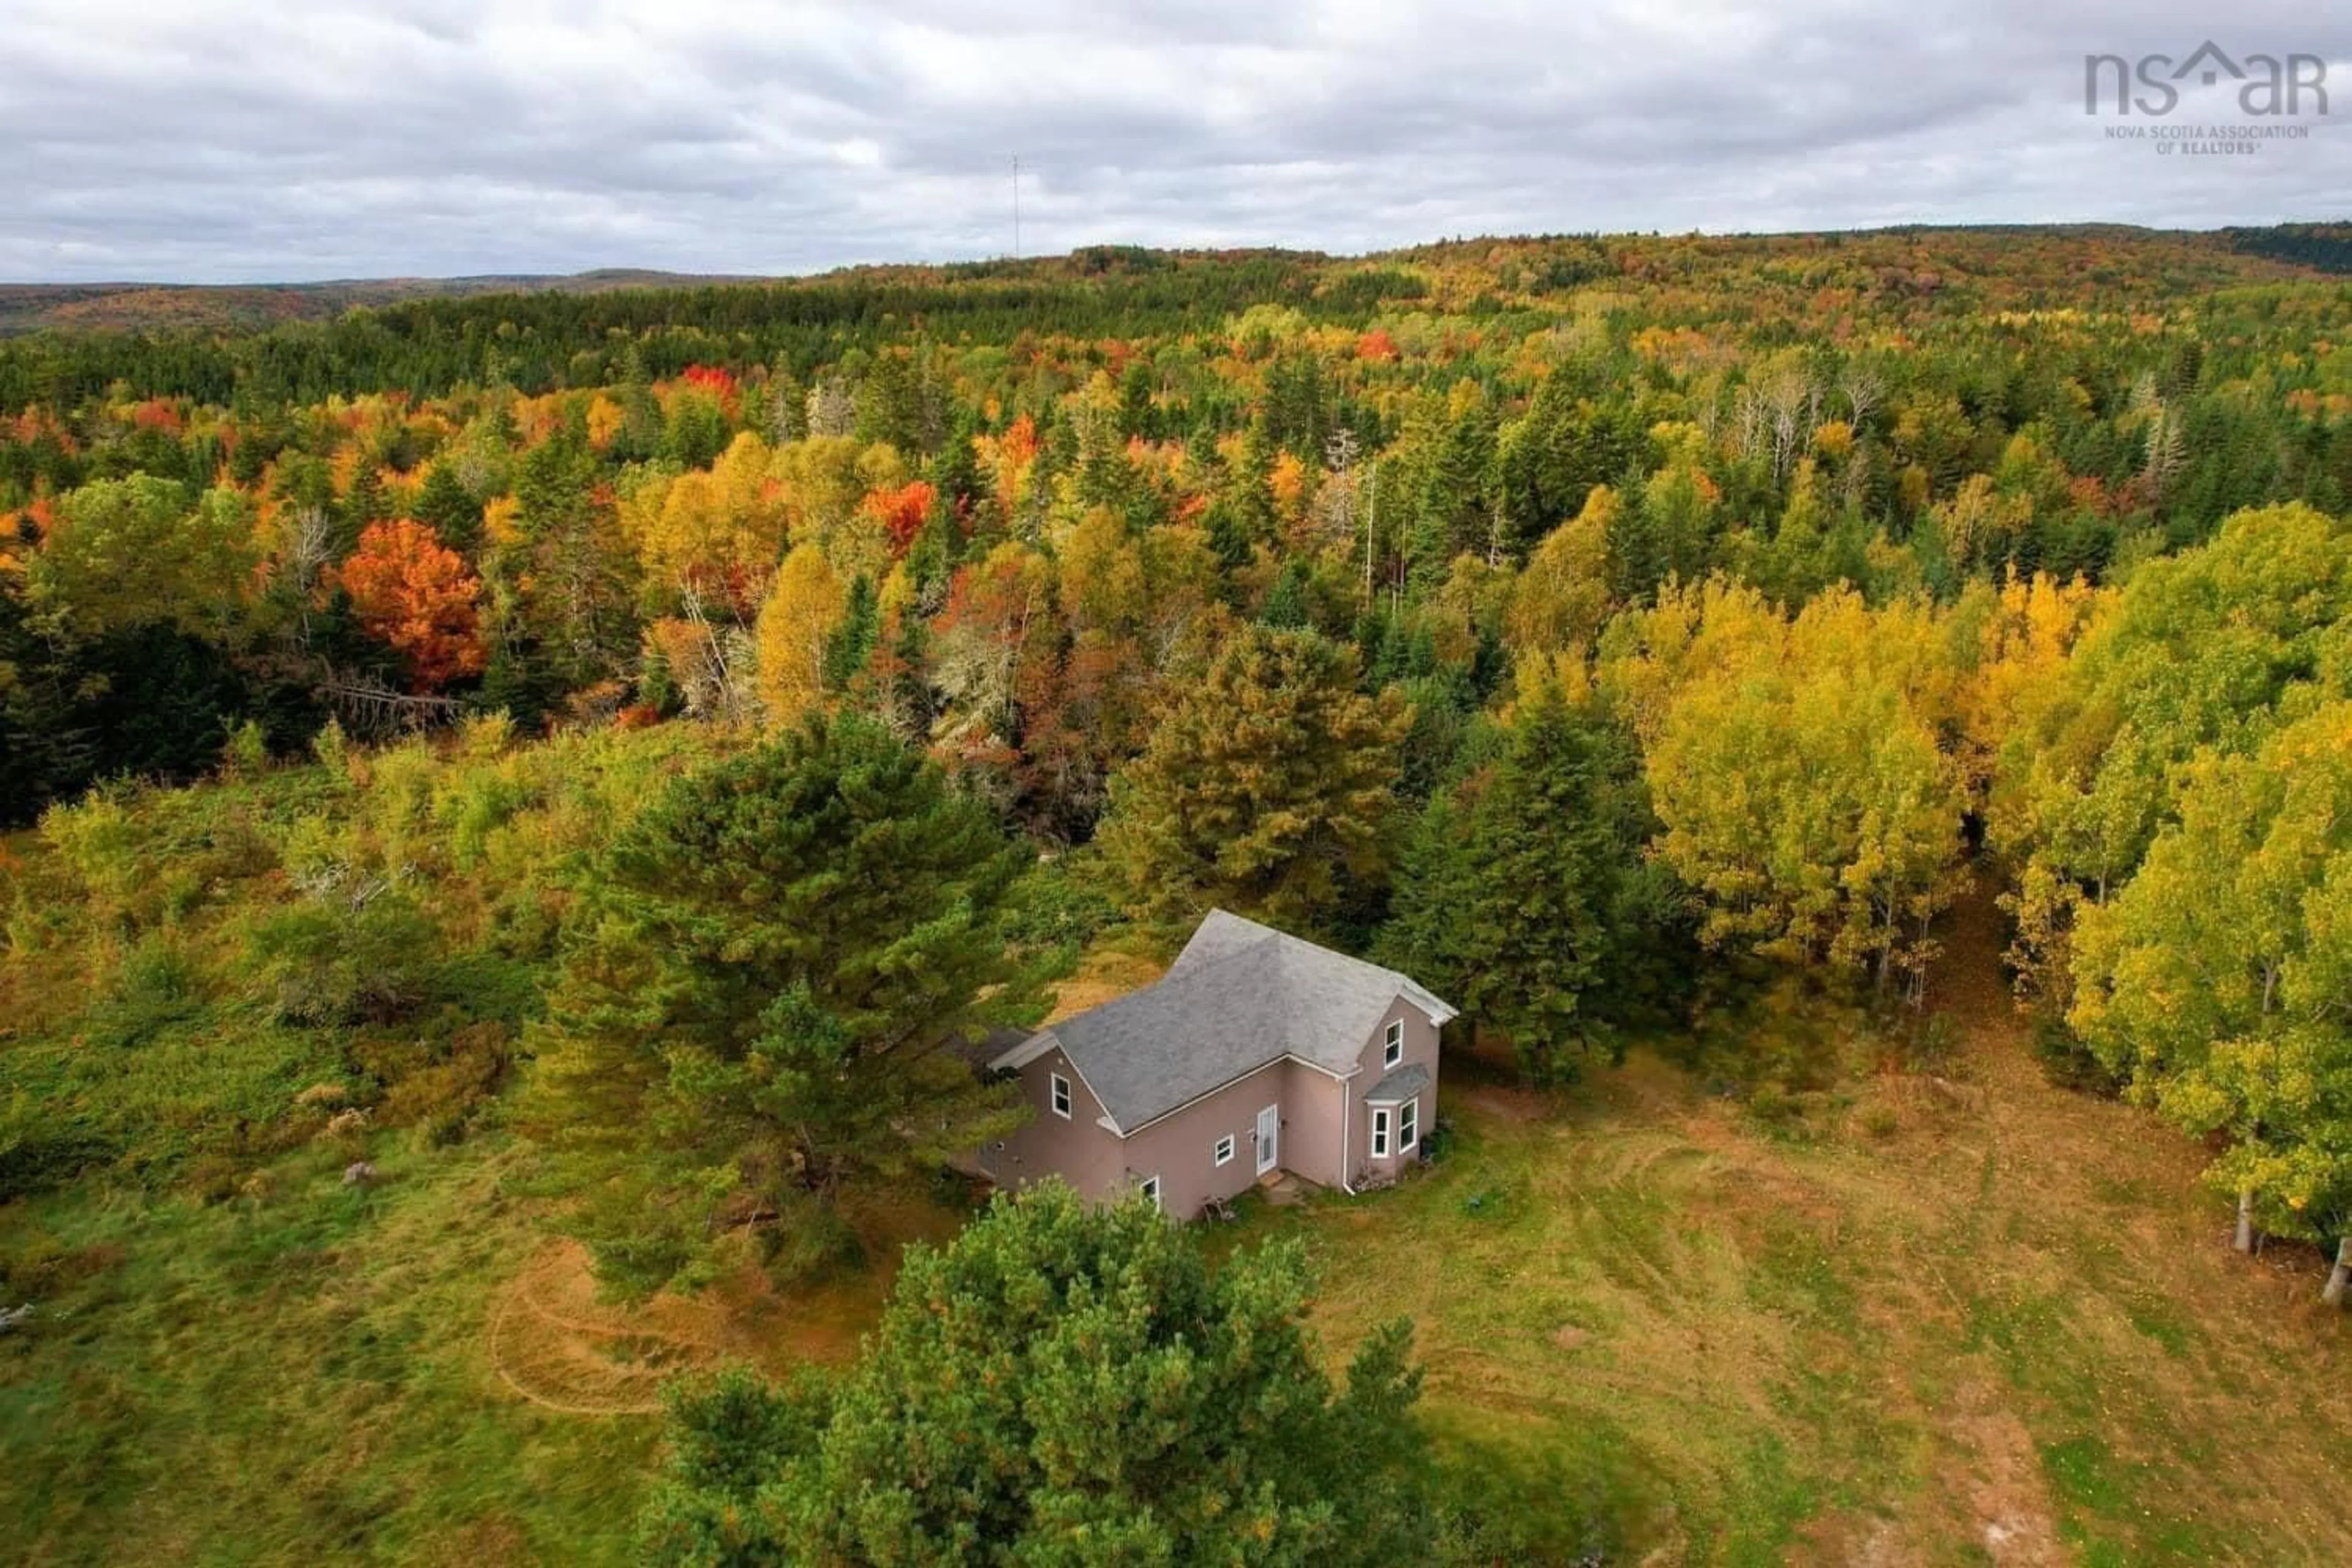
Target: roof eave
column 1028, row 1051
column 1440, row 1012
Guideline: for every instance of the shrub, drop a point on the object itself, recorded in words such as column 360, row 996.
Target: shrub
column 245, row 754
column 437, row 1089
column 2066, row 1061
column 1934, row 1045
column 157, row 983
column 343, row 961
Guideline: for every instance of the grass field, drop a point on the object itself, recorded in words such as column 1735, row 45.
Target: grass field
column 1976, row 1319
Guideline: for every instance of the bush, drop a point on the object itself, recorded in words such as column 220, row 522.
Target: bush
column 437, row 1088
column 140, row 859
column 339, row 962
column 157, row 984
column 1062, row 905
column 1934, row 1045
column 245, row 754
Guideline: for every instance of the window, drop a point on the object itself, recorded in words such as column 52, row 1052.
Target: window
column 1225, row 1150
column 1379, row 1132
column 1149, row 1188
column 1394, row 1053
column 1061, row 1096
column 1408, row 1125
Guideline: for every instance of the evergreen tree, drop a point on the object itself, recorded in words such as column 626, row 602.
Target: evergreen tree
column 852, row 642
column 1285, row 604
column 757, row 1006
column 454, row 512
column 1523, row 897
column 1265, row 788
column 1063, row 1383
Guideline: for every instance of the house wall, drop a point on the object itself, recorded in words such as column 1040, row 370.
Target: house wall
column 1326, row 1132
column 1181, row 1148
column 1311, row 1143
column 1081, row 1151
column 1420, row 1046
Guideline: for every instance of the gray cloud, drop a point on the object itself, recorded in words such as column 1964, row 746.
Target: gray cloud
column 237, row 140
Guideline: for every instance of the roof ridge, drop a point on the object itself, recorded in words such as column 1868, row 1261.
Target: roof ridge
column 1320, row 950
column 1174, row 978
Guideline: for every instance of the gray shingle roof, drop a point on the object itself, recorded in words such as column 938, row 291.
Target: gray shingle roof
column 1398, row 1086
column 1241, row 995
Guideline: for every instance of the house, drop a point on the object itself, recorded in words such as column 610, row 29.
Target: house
column 1257, row 1052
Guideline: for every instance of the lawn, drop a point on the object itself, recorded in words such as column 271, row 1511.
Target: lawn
column 1970, row 1320
column 1982, row 1320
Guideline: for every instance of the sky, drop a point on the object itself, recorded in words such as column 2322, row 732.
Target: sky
column 248, row 141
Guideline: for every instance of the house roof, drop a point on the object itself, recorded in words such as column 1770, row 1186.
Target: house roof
column 1400, row 1086
column 1239, row 997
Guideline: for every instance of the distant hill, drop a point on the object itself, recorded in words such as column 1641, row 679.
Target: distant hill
column 2325, row 246
column 2203, row 259
column 164, row 306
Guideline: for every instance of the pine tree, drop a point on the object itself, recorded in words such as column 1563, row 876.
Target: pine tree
column 1265, row 788
column 851, row 643
column 1286, row 602
column 758, row 1002
column 1522, row 896
column 453, row 513
column 1062, row 1383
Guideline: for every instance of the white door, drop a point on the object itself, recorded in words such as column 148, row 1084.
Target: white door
column 1270, row 1134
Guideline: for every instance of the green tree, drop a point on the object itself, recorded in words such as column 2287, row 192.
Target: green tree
column 454, row 512
column 1797, row 767
column 130, row 552
column 776, row 956
column 2214, row 984
column 1524, row 896
column 1063, row 1383
column 2198, row 651
column 1265, row 787
column 851, row 643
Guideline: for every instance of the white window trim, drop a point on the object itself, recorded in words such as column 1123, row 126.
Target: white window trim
column 1057, row 1090
column 1149, row 1187
column 1224, row 1150
column 1393, row 1051
column 1408, row 1125
column 1380, row 1132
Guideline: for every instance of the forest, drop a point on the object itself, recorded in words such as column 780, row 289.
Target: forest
column 543, row 782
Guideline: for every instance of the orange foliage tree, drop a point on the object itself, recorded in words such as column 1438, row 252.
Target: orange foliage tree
column 900, row 509
column 415, row 594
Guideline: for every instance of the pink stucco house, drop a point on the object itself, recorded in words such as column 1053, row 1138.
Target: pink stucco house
column 1257, row 1052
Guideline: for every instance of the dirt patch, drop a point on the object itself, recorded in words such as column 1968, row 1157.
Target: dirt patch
column 1502, row 1102
column 552, row 1341
column 2005, row 1492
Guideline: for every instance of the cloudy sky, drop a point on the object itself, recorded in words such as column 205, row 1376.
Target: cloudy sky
column 217, row 141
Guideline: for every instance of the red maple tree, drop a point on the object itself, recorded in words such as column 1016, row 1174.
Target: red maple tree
column 415, row 594
column 901, row 510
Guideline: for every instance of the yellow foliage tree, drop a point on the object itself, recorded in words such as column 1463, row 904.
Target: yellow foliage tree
column 804, row 609
column 1796, row 766
column 716, row 527
column 1563, row 597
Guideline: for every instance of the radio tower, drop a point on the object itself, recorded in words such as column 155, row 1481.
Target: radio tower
column 1017, row 206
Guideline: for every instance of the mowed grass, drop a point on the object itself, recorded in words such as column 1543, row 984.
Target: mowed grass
column 1965, row 1323
column 1968, row 1319
column 300, row 1379
column 409, row 1371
